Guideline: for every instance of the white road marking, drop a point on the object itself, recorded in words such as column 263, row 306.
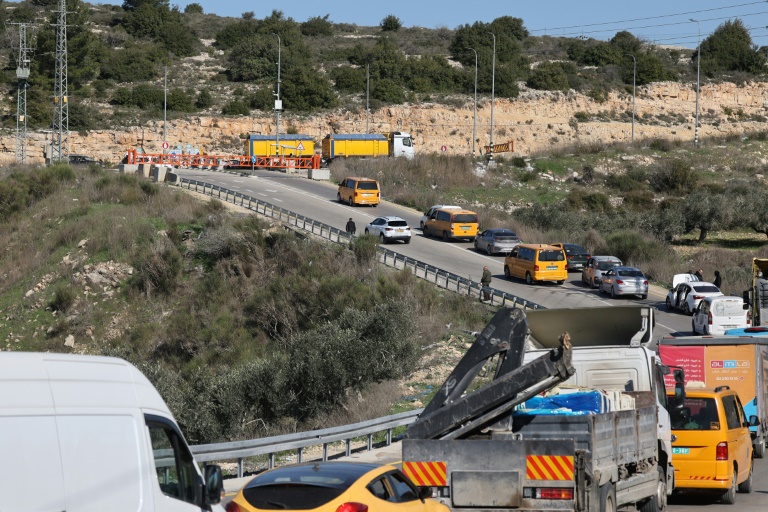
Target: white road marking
column 276, row 199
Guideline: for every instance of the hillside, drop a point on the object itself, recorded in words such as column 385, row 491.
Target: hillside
column 549, row 91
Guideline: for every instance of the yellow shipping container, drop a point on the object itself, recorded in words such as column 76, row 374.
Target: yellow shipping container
column 290, row 145
column 342, row 145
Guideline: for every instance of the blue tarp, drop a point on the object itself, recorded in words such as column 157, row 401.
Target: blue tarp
column 580, row 402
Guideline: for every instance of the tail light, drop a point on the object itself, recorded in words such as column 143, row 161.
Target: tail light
column 232, row 507
column 749, row 318
column 352, row 507
column 721, row 452
column 548, row 493
column 387, row 229
column 569, row 256
column 619, row 281
column 535, row 268
column 709, row 318
column 698, row 297
column 645, row 283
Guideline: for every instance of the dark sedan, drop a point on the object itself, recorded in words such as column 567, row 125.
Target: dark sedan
column 575, row 255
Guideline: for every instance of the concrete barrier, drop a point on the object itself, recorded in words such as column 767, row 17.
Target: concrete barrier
column 144, row 170
column 159, row 173
column 128, row 168
column 319, row 174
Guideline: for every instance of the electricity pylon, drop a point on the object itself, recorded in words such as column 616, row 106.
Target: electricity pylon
column 60, row 124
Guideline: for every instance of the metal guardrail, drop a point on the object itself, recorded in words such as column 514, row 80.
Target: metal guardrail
column 270, row 446
column 437, row 276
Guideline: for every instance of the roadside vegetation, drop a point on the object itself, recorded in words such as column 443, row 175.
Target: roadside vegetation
column 246, row 329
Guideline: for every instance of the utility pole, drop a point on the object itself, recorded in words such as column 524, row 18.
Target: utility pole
column 22, row 75
column 698, row 70
column 278, row 103
column 165, row 103
column 493, row 94
column 60, row 124
column 367, row 94
column 634, row 81
column 474, row 119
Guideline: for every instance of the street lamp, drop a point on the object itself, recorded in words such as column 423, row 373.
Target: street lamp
column 165, row 102
column 698, row 71
column 278, row 103
column 634, row 82
column 493, row 86
column 474, row 121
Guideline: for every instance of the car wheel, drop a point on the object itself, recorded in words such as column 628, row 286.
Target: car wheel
column 506, row 272
column 488, row 250
column 559, row 282
column 686, row 309
column 366, row 231
column 607, row 498
column 528, row 278
column 613, row 293
column 745, row 487
column 759, row 448
column 644, row 296
column 477, row 247
column 381, row 237
column 351, row 202
column 338, row 198
column 407, row 240
column 425, row 231
column 593, row 284
column 446, row 238
column 669, row 304
column 421, row 225
column 658, row 502
column 729, row 496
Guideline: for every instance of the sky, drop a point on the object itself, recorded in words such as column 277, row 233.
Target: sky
column 664, row 22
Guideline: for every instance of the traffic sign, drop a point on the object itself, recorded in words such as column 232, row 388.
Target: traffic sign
column 443, row 148
column 165, row 145
column 253, row 159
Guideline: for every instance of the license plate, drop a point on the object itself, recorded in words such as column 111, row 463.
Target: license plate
column 681, row 451
column 729, row 327
column 551, row 268
column 465, row 228
column 401, row 231
column 366, row 195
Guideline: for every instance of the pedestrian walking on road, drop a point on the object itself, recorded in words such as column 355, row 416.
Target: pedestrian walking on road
column 718, row 280
column 351, row 228
column 486, row 282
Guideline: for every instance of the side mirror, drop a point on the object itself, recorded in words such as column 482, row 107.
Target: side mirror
column 425, row 493
column 745, row 306
column 754, row 421
column 213, row 487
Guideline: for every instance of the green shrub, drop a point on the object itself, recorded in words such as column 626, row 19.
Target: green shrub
column 581, row 116
column 158, row 269
column 664, row 145
column 235, row 108
column 391, row 23
column 634, row 249
column 580, row 199
column 674, row 176
column 365, row 247
column 317, row 26
column 64, row 297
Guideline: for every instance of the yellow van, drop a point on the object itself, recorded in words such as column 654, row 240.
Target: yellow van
column 451, row 224
column 712, row 447
column 536, row 262
column 355, row 190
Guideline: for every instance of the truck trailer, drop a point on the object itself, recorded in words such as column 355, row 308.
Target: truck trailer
column 289, row 145
column 504, row 447
column 739, row 362
column 371, row 145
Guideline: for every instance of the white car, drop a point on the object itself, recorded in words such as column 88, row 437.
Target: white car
column 687, row 291
column 428, row 213
column 715, row 315
column 389, row 229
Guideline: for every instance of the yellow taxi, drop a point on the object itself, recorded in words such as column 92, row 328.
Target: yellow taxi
column 536, row 262
column 334, row 487
column 712, row 446
column 355, row 190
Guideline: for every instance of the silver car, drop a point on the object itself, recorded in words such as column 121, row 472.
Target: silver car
column 496, row 241
column 624, row 281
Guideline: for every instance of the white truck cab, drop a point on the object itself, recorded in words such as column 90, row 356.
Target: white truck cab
column 88, row 433
column 402, row 144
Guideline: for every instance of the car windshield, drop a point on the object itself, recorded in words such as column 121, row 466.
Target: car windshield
column 630, row 273
column 504, row 235
column 696, row 414
column 465, row 218
column 398, row 223
column 605, row 265
column 551, row 256
column 367, row 185
column 705, row 288
column 574, row 249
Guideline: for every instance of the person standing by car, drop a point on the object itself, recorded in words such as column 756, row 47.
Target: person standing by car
column 486, row 282
column 700, row 274
column 351, row 228
column 718, row 280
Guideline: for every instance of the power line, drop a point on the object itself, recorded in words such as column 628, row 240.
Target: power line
column 648, row 18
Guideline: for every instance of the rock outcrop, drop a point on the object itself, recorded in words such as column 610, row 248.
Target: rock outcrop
column 536, row 121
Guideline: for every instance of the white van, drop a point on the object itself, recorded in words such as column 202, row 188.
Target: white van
column 87, row 433
column 714, row 315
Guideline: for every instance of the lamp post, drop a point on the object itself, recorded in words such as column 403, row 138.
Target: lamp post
column 493, row 87
column 165, row 102
column 634, row 82
column 474, row 120
column 278, row 103
column 698, row 71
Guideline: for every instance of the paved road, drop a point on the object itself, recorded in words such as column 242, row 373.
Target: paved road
column 317, row 200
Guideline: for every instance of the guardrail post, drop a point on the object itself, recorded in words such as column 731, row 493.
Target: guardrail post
column 389, row 436
column 348, row 451
column 271, row 460
column 299, row 454
column 325, row 452
column 370, row 442
column 240, row 467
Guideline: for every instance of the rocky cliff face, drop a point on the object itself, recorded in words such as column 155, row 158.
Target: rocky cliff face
column 536, row 121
